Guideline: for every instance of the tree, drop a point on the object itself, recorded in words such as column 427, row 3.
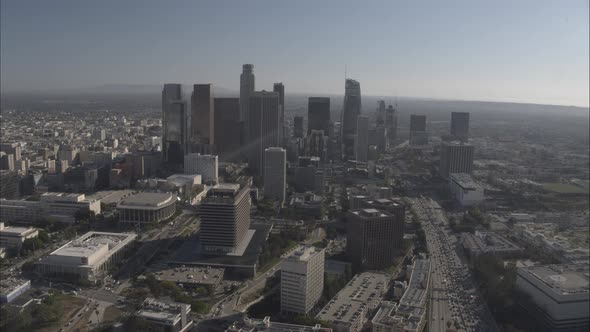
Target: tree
column 43, row 236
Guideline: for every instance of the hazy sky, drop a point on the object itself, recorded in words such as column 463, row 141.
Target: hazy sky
column 527, row 51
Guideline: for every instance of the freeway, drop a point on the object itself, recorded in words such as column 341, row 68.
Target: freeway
column 453, row 295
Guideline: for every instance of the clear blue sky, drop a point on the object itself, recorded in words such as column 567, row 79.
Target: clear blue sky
column 526, row 51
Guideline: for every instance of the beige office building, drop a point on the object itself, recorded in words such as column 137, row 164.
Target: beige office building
column 302, row 280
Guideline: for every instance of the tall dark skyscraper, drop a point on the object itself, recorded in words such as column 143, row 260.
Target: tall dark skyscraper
column 455, row 157
column 391, row 124
column 318, row 114
column 351, row 110
column 373, row 237
column 174, row 125
column 460, row 125
column 280, row 89
column 380, row 112
column 202, row 115
column 228, row 128
column 298, row 126
column 247, row 85
column 264, row 127
column 418, row 134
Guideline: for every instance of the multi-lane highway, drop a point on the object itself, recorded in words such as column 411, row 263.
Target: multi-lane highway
column 454, row 299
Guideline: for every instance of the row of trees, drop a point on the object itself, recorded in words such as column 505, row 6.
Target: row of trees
column 276, row 245
column 497, row 286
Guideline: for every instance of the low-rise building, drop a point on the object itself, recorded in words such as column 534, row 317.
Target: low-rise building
column 489, row 243
column 265, row 325
column 466, row 191
column 67, row 205
column 62, row 207
column 559, row 295
column 14, row 237
column 409, row 315
column 87, row 258
column 147, row 207
column 567, row 246
column 347, row 311
column 307, row 203
column 12, row 287
column 171, row 316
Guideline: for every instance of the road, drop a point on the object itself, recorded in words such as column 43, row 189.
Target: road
column 231, row 303
column 453, row 294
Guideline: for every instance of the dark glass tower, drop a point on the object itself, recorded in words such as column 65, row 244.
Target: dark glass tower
column 351, row 110
column 174, row 125
column 318, row 114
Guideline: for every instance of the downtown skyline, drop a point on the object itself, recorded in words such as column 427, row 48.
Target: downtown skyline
column 531, row 52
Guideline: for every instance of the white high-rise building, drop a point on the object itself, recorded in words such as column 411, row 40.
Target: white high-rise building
column 204, row 164
column 362, row 139
column 302, row 280
column 275, row 173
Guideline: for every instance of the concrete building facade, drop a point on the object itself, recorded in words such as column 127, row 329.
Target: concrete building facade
column 373, row 238
column 302, row 280
column 559, row 295
column 88, row 258
column 466, row 191
column 225, row 217
column 169, row 316
column 206, row 165
column 456, row 157
column 146, row 207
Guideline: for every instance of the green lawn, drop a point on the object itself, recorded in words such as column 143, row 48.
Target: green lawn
column 564, row 188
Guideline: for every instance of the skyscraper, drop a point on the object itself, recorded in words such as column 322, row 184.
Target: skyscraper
column 12, row 148
column 460, row 125
column 298, row 126
column 373, row 238
column 362, row 139
column 316, row 145
column 174, row 124
column 275, row 173
column 6, row 161
column 455, row 157
column 280, row 89
column 302, row 280
column 228, row 128
column 418, row 134
column 351, row 110
column 381, row 112
column 264, row 127
column 318, row 114
column 391, row 124
column 246, row 88
column 225, row 217
column 202, row 115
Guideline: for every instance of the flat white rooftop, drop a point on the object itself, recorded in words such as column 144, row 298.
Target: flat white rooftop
column 89, row 243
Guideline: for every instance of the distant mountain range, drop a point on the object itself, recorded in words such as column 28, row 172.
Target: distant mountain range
column 145, row 89
column 120, row 89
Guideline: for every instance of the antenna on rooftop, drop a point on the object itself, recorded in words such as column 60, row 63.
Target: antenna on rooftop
column 345, row 72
